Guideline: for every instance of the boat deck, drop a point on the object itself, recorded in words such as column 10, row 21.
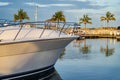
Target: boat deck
column 8, row 34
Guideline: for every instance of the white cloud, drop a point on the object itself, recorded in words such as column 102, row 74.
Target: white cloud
column 97, row 2
column 48, row 5
column 85, row 11
column 81, row 0
column 95, row 14
column 103, row 2
column 75, row 0
column 36, row 4
column 92, row 12
column 4, row 3
column 111, row 6
column 61, row 5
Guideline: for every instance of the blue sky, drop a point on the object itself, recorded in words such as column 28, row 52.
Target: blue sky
column 73, row 9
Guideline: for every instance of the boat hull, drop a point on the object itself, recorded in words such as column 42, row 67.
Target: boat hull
column 21, row 57
column 29, row 46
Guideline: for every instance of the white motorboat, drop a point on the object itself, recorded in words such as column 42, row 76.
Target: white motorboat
column 27, row 51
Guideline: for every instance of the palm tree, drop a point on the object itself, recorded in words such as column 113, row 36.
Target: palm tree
column 58, row 16
column 85, row 49
column 86, row 19
column 21, row 15
column 109, row 17
column 108, row 51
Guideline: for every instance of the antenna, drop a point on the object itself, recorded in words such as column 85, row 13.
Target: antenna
column 36, row 13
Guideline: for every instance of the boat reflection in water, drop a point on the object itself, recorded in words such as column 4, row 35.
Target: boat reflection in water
column 51, row 74
column 55, row 76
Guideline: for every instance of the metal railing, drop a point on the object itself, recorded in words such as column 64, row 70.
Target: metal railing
column 43, row 25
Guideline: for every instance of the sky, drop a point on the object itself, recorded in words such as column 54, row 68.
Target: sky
column 72, row 9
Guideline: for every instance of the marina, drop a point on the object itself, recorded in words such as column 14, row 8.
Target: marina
column 59, row 40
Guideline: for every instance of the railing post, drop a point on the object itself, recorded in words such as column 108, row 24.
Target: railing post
column 62, row 29
column 67, row 27
column 18, row 31
column 42, row 31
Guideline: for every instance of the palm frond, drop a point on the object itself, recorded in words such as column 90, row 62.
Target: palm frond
column 85, row 19
column 21, row 15
column 90, row 22
column 113, row 18
column 109, row 17
column 80, row 22
column 102, row 18
column 16, row 18
column 59, row 16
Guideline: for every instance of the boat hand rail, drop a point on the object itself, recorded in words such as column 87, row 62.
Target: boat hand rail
column 58, row 29
column 48, row 24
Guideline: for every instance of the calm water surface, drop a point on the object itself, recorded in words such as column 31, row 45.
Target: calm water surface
column 90, row 59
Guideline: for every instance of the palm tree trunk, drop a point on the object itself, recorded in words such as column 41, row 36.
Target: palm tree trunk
column 85, row 43
column 85, row 25
column 21, row 25
column 107, row 23
column 57, row 24
column 107, row 54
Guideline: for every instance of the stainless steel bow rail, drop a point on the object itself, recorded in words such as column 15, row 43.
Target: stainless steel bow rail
column 62, row 27
column 5, row 22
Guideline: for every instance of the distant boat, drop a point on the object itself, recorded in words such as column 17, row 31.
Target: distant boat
column 25, row 51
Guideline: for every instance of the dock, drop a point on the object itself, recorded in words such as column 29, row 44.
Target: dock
column 97, row 36
column 118, row 38
column 97, row 33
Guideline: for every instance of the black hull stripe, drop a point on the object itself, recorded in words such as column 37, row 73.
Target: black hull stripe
column 29, row 74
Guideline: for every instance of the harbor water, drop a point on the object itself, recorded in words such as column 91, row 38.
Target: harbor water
column 90, row 59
